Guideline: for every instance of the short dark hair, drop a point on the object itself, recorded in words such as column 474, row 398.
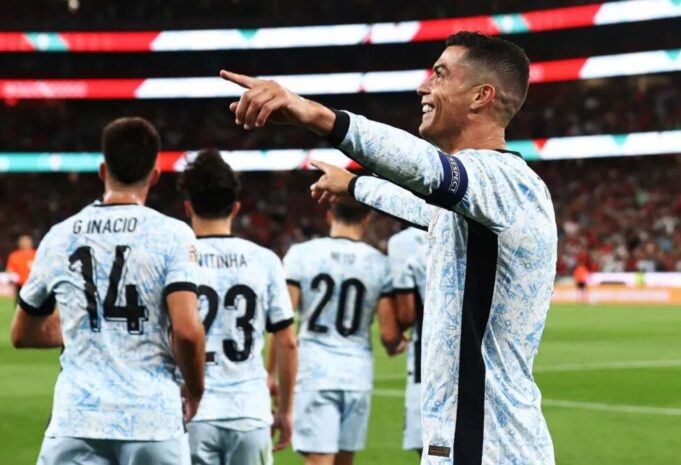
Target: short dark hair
column 210, row 184
column 505, row 59
column 130, row 147
column 349, row 211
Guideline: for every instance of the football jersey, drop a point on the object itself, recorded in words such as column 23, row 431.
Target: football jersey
column 242, row 293
column 341, row 281
column 407, row 256
column 491, row 269
column 108, row 269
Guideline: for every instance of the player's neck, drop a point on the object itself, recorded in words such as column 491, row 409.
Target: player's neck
column 212, row 227
column 345, row 230
column 118, row 194
column 479, row 137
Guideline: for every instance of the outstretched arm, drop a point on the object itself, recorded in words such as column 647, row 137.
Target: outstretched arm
column 376, row 193
column 396, row 155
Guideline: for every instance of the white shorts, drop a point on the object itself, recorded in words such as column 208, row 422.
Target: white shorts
column 211, row 445
column 81, row 451
column 412, row 417
column 326, row 422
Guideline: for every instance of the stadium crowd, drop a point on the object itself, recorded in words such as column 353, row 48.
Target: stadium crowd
column 234, row 12
column 612, row 214
column 556, row 110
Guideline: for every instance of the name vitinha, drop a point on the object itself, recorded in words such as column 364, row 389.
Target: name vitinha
column 232, row 260
column 105, row 226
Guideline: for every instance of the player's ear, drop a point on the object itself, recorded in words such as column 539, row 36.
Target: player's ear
column 484, row 94
column 154, row 176
column 236, row 207
column 188, row 210
column 102, row 171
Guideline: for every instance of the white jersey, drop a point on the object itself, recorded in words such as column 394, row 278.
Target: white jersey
column 491, row 269
column 109, row 269
column 407, row 255
column 242, row 294
column 341, row 281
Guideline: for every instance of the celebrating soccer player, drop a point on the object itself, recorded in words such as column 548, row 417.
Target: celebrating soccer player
column 338, row 283
column 124, row 279
column 492, row 252
column 242, row 293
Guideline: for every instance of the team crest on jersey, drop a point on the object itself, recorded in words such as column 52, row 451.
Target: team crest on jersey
column 193, row 254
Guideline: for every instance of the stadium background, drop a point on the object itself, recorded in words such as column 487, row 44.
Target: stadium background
column 610, row 374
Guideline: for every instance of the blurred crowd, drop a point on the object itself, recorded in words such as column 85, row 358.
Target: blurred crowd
column 614, row 214
column 182, row 14
column 622, row 105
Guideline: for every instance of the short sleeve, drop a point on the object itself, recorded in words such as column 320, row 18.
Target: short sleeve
column 401, row 270
column 36, row 297
column 279, row 311
column 292, row 266
column 182, row 269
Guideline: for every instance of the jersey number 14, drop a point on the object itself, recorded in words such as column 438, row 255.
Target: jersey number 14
column 132, row 312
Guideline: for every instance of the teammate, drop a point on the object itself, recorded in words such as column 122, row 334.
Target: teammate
column 20, row 261
column 407, row 256
column 492, row 246
column 242, row 294
column 124, row 279
column 338, row 283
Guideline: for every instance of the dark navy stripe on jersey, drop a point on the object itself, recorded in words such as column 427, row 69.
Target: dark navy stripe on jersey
column 481, row 266
column 180, row 286
column 278, row 326
column 45, row 309
column 454, row 183
column 418, row 328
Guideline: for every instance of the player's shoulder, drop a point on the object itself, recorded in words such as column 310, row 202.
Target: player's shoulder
column 257, row 250
column 406, row 237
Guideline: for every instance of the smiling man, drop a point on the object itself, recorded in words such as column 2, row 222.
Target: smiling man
column 492, row 241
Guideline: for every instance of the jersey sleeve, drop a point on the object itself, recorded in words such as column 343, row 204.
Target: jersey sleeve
column 279, row 310
column 182, row 272
column 292, row 266
column 36, row 296
column 392, row 200
column 401, row 269
column 486, row 188
column 392, row 153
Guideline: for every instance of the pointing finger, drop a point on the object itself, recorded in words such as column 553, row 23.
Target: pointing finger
column 241, row 79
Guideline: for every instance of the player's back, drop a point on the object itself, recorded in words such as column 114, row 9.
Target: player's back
column 341, row 281
column 109, row 268
column 242, row 294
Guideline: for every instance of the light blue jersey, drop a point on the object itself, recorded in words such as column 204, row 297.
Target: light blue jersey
column 108, row 269
column 491, row 269
column 407, row 255
column 242, row 294
column 341, row 281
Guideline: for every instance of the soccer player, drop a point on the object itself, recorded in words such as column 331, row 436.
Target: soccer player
column 20, row 261
column 124, row 279
column 242, row 294
column 492, row 245
column 338, row 283
column 407, row 256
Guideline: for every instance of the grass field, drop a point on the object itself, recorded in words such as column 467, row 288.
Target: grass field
column 610, row 376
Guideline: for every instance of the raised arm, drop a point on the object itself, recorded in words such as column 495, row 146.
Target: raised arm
column 394, row 154
column 378, row 194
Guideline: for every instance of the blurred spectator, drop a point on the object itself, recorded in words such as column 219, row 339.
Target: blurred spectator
column 613, row 214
